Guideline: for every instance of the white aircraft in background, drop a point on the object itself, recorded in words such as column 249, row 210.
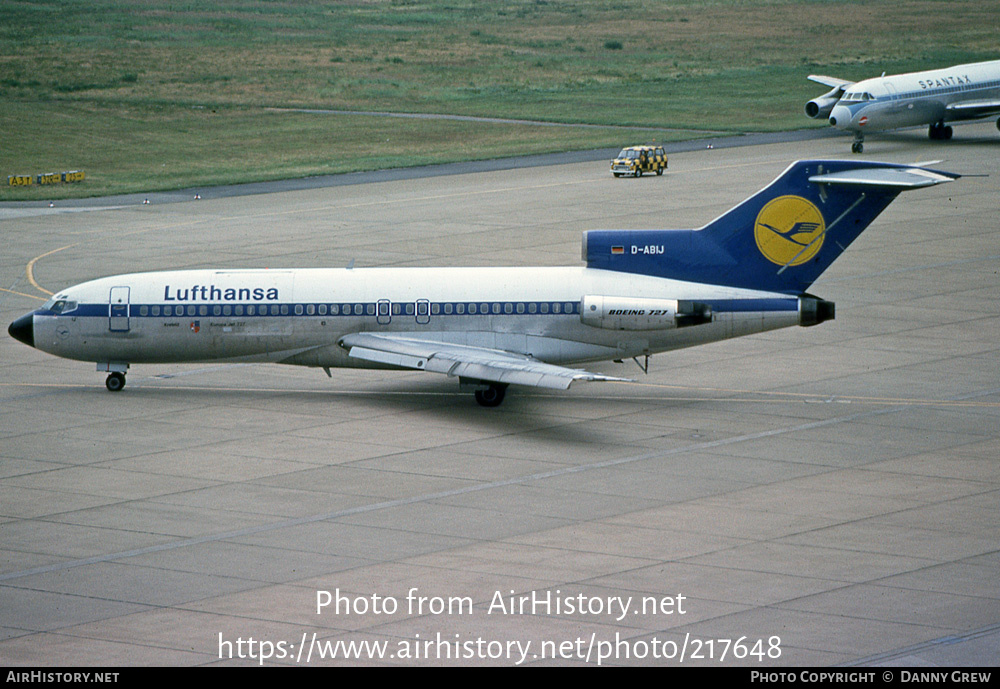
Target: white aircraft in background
column 962, row 92
column 641, row 292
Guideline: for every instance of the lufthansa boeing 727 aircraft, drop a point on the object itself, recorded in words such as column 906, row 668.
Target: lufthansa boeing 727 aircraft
column 641, row 292
column 962, row 92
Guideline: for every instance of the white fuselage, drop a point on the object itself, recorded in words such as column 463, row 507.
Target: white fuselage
column 917, row 98
column 298, row 316
column 494, row 327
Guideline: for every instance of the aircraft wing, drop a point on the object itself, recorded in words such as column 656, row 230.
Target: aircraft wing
column 832, row 82
column 977, row 108
column 480, row 363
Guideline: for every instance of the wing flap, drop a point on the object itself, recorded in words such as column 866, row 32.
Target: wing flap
column 499, row 373
column 393, row 358
column 464, row 361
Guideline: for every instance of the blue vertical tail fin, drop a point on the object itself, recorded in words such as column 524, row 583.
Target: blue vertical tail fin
column 780, row 239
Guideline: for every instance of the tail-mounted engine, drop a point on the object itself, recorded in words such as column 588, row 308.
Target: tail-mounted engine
column 626, row 313
column 813, row 311
column 820, row 108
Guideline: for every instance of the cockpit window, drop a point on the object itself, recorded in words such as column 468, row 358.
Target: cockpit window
column 57, row 305
column 857, row 96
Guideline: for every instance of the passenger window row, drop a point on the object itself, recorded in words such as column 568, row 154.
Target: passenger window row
column 368, row 309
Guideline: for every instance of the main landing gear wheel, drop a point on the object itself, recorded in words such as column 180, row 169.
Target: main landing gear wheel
column 491, row 396
column 939, row 132
column 115, row 382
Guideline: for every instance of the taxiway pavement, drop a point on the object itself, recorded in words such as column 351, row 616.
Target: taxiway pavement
column 820, row 496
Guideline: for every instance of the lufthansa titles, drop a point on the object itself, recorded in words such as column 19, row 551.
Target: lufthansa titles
column 213, row 293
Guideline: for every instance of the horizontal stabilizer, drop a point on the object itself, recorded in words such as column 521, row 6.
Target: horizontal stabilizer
column 900, row 178
column 463, row 361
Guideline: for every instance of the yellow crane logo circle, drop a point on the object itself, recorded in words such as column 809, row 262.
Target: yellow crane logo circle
column 789, row 230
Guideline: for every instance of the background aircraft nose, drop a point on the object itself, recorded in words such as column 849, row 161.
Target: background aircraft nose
column 840, row 116
column 23, row 329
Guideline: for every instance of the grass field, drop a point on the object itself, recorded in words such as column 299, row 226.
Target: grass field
column 151, row 94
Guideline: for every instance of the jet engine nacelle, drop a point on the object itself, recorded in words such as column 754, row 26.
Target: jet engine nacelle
column 813, row 311
column 821, row 107
column 627, row 313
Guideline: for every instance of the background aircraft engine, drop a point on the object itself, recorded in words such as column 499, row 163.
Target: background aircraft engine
column 822, row 106
column 626, row 313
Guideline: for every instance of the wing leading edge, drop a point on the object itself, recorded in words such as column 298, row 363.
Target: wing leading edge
column 832, row 82
column 462, row 361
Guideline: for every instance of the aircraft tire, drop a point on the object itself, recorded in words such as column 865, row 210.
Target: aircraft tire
column 998, row 123
column 939, row 132
column 115, row 382
column 491, row 396
column 857, row 147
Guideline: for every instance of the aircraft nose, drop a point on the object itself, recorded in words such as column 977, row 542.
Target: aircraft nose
column 840, row 116
column 23, row 329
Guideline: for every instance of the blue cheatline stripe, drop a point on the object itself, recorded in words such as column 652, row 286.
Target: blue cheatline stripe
column 328, row 309
column 355, row 309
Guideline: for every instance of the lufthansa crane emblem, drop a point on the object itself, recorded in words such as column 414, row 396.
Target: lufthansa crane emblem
column 789, row 230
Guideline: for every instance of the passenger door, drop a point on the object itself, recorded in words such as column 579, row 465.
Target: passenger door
column 118, row 310
column 423, row 311
column 383, row 312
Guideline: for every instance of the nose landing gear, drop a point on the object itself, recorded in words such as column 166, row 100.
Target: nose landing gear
column 116, row 374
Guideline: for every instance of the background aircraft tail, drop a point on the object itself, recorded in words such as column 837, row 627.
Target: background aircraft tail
column 780, row 239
